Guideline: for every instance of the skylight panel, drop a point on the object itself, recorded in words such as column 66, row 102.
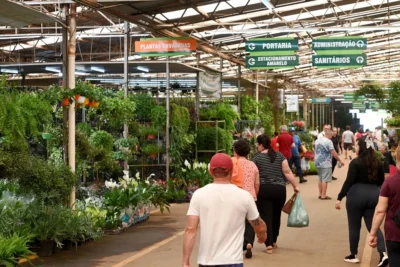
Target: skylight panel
column 177, row 14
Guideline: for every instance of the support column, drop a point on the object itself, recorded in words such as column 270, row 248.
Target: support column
column 167, row 124
column 333, row 114
column 126, row 79
column 239, row 91
column 257, row 91
column 313, row 116
column 64, row 49
column 305, row 110
column 197, row 98
column 221, row 66
column 71, row 85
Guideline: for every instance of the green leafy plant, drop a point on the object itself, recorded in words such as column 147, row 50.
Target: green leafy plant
column 152, row 149
column 159, row 117
column 14, row 247
column 248, row 108
column 144, row 104
column 102, row 140
column 371, row 90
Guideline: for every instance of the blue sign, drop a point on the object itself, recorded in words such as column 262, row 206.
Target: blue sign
column 321, row 100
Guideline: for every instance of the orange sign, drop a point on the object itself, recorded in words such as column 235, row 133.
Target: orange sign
column 165, row 46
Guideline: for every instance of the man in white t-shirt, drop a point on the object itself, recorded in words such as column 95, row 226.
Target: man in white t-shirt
column 348, row 141
column 220, row 209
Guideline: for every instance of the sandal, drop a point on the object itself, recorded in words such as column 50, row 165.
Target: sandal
column 269, row 250
column 325, row 198
column 275, row 245
column 249, row 253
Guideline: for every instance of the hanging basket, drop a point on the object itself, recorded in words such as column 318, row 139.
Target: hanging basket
column 76, row 97
column 65, row 102
column 151, row 137
column 87, row 102
column 96, row 104
column 92, row 103
column 81, row 99
column 153, row 155
column 46, row 136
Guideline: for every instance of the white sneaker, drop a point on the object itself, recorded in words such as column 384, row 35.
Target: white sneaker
column 352, row 259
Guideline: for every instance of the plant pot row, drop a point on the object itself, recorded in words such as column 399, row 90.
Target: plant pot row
column 49, row 247
column 81, row 100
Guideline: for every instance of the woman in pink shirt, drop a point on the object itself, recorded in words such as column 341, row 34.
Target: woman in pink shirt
column 251, row 183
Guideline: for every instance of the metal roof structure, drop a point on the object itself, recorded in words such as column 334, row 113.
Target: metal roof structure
column 221, row 28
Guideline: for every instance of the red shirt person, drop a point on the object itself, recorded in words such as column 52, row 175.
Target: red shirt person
column 285, row 142
column 274, row 142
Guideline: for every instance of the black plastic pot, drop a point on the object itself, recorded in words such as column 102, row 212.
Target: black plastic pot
column 56, row 249
column 67, row 245
column 46, row 248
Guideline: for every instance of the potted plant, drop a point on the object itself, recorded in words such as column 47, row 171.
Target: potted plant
column 152, row 150
column 149, row 132
column 158, row 117
column 14, row 247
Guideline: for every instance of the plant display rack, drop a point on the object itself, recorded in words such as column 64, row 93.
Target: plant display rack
column 216, row 125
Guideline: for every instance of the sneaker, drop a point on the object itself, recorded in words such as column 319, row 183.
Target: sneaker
column 334, row 178
column 384, row 260
column 350, row 158
column 352, row 259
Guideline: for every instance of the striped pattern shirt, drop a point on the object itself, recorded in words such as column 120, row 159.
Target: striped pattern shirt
column 270, row 172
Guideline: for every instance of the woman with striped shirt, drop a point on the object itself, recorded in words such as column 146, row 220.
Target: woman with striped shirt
column 271, row 198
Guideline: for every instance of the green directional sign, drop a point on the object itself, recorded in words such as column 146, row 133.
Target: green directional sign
column 339, row 61
column 272, row 44
column 271, row 62
column 350, row 97
column 353, row 43
column 321, row 100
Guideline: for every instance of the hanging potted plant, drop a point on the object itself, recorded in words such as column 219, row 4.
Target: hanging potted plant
column 80, row 92
column 67, row 95
column 149, row 132
column 152, row 150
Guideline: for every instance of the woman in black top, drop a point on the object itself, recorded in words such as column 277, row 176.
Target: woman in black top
column 271, row 197
column 364, row 177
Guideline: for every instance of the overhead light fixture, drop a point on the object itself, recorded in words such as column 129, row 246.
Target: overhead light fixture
column 143, row 69
column 334, row 95
column 97, row 69
column 9, row 71
column 339, row 99
column 52, row 69
column 268, row 4
column 80, row 73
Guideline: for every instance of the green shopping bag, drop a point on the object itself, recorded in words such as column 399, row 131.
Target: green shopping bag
column 298, row 217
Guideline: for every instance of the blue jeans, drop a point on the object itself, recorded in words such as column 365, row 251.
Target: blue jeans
column 297, row 164
column 226, row 265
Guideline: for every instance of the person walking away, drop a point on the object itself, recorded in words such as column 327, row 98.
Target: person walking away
column 348, row 142
column 339, row 135
column 296, row 155
column 360, row 133
column 361, row 188
column 322, row 134
column 387, row 159
column 324, row 151
column 221, row 207
column 274, row 141
column 389, row 207
column 336, row 141
column 251, row 183
column 271, row 198
column 285, row 143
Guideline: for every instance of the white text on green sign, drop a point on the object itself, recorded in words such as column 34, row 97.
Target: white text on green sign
column 339, row 44
column 272, row 62
column 270, row 44
column 339, row 61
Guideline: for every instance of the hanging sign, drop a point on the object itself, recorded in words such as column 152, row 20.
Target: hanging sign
column 292, row 103
column 339, row 61
column 272, row 44
column 350, row 97
column 165, row 46
column 322, row 100
column 354, row 43
column 210, row 84
column 271, row 62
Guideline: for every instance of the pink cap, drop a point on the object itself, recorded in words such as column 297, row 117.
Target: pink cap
column 221, row 160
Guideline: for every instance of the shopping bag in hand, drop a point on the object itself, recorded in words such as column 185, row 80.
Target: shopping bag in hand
column 298, row 217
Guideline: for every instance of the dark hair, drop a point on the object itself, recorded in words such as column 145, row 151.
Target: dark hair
column 265, row 141
column 276, row 133
column 360, row 130
column 369, row 158
column 242, row 147
column 348, row 127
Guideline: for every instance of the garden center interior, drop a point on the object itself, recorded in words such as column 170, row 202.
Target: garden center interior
column 110, row 111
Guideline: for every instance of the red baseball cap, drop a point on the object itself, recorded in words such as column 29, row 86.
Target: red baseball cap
column 221, row 160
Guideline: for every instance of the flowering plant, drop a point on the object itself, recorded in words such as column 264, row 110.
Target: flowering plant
column 309, row 155
column 298, row 125
column 196, row 174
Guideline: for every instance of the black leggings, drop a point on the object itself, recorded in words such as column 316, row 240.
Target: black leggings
column 393, row 249
column 270, row 201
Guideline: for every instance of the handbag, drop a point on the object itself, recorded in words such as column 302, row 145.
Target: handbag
column 287, row 208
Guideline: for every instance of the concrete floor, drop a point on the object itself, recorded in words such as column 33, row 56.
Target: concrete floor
column 158, row 242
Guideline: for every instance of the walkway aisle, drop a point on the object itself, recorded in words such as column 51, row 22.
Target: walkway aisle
column 158, row 242
column 323, row 244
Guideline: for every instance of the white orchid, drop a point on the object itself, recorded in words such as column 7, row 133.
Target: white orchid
column 111, row 184
column 183, row 169
column 126, row 174
column 127, row 179
column 124, row 184
column 137, row 175
column 187, row 164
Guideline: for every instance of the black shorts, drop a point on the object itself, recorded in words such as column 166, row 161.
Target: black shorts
column 348, row 146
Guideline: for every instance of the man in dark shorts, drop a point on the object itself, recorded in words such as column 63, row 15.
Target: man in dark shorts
column 348, row 142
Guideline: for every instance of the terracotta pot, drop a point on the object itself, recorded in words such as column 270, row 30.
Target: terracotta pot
column 65, row 102
column 153, row 155
column 77, row 96
column 151, row 136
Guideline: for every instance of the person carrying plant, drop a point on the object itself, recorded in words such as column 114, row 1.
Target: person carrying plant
column 221, row 207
